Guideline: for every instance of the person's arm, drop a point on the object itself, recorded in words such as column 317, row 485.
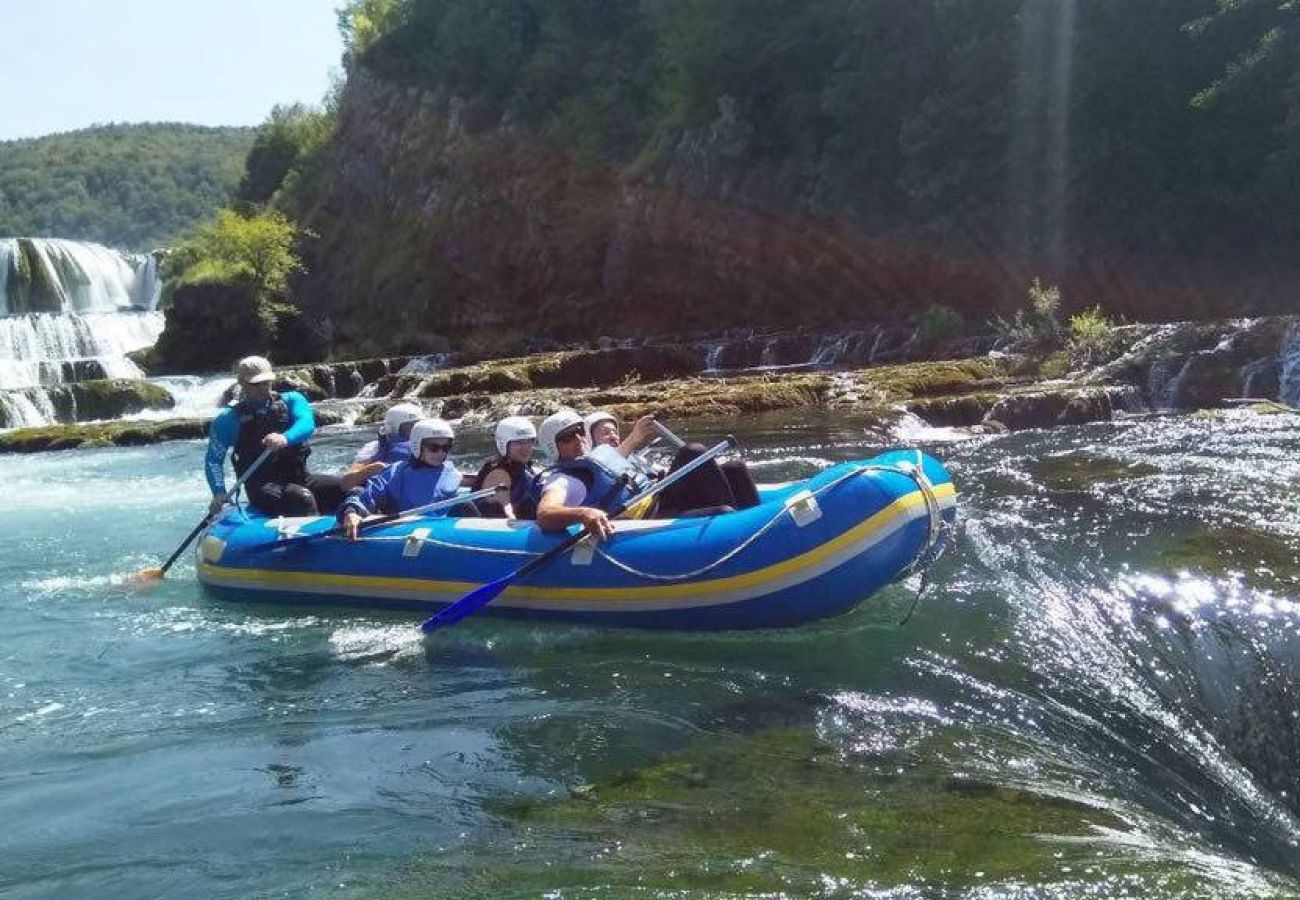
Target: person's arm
column 222, row 433
column 361, row 502
column 554, row 515
column 303, row 419
column 642, row 434
column 358, row 474
column 495, row 479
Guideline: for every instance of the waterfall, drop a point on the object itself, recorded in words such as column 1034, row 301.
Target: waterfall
column 69, row 311
column 830, row 350
column 712, row 356
column 1288, row 390
column 57, row 276
column 42, row 349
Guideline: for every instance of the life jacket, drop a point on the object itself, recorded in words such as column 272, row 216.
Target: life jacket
column 521, row 482
column 605, row 489
column 256, row 421
column 392, row 451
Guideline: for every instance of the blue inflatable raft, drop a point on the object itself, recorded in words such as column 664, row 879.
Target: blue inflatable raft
column 810, row 549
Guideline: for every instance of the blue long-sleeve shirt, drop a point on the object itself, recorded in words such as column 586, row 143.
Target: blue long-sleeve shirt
column 403, row 485
column 224, row 432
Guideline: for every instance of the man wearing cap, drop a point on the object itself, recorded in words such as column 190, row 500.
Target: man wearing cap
column 577, row 489
column 264, row 418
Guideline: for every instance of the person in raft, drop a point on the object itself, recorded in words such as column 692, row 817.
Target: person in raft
column 426, row 476
column 390, row 446
column 577, row 489
column 602, row 429
column 264, row 418
column 713, row 488
column 512, row 466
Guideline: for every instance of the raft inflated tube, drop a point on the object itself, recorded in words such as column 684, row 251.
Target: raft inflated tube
column 810, row 549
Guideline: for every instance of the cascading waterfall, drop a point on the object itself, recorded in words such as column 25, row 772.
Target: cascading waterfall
column 69, row 311
column 1289, row 357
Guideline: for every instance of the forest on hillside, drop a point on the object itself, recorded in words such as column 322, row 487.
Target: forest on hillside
column 494, row 171
column 1050, row 129
column 136, row 187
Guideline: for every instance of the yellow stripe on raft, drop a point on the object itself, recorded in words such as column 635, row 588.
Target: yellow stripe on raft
column 359, row 583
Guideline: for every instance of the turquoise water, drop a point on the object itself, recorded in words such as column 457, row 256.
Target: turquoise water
column 1104, row 665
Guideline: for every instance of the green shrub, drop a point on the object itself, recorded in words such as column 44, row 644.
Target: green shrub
column 938, row 322
column 1090, row 334
column 1037, row 325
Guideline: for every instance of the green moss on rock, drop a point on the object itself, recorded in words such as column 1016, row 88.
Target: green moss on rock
column 780, row 813
column 100, row 434
column 1266, row 561
column 111, row 398
column 1082, row 472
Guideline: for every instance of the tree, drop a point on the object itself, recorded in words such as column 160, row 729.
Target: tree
column 284, row 142
column 257, row 250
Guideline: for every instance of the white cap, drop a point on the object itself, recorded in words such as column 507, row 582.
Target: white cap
column 399, row 415
column 553, row 425
column 424, row 429
column 254, row 370
column 513, row 428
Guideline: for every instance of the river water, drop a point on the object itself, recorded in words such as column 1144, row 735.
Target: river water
column 1095, row 695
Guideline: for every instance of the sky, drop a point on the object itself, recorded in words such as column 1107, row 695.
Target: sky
column 69, row 64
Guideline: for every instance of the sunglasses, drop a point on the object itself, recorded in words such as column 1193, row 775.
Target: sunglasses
column 568, row 435
column 431, row 446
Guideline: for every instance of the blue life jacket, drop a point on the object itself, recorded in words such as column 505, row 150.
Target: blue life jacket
column 606, row 490
column 402, row 486
column 392, row 451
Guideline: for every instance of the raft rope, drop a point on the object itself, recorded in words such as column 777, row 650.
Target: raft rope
column 936, row 528
column 934, row 524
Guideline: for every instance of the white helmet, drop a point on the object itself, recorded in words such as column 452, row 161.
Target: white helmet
column 399, row 415
column 513, row 428
column 594, row 419
column 553, row 425
column 424, row 429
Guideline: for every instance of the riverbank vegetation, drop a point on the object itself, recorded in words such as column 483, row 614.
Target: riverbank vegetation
column 135, row 187
column 531, row 166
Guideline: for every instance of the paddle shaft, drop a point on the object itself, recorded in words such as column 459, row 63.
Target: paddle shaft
column 210, row 516
column 484, row 595
column 667, row 435
column 391, row 517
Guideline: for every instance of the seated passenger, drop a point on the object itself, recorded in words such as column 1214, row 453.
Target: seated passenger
column 602, row 428
column 390, row 446
column 577, row 489
column 426, row 476
column 713, row 488
column 512, row 466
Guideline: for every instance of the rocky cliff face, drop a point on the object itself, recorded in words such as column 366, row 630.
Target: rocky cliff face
column 436, row 226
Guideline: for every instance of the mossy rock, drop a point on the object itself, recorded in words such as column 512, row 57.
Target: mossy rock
column 778, row 812
column 208, row 325
column 112, row 398
column 99, row 434
column 1266, row 561
column 1080, row 472
column 962, row 411
column 933, row 379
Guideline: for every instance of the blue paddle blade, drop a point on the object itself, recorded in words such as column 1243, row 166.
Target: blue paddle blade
column 470, row 603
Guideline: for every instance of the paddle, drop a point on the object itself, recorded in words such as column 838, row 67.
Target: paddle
column 667, row 435
column 482, row 596
column 161, row 571
column 385, row 519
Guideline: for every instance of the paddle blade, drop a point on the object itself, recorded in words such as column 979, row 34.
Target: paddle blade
column 153, row 573
column 470, row 603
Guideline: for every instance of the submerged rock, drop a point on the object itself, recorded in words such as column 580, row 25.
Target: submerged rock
column 108, row 398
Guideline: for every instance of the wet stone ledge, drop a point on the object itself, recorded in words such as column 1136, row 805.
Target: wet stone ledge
column 115, row 434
